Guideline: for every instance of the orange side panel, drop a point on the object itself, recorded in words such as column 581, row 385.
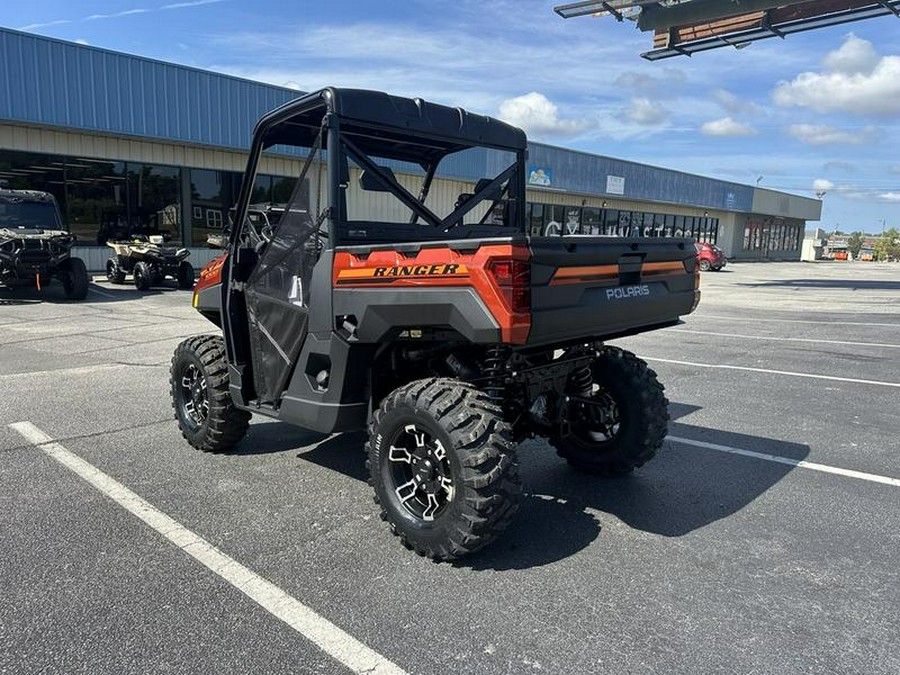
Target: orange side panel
column 438, row 267
column 211, row 273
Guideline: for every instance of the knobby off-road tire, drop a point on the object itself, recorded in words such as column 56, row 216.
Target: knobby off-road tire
column 449, row 435
column 185, row 275
column 75, row 279
column 143, row 276
column 205, row 413
column 114, row 272
column 642, row 414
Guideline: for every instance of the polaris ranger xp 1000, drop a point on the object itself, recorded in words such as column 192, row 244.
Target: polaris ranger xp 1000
column 427, row 316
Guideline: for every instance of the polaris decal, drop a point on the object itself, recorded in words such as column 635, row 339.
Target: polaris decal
column 626, row 292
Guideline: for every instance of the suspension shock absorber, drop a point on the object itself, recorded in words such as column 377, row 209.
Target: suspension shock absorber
column 495, row 360
column 581, row 381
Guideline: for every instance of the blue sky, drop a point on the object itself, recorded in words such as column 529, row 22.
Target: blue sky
column 816, row 111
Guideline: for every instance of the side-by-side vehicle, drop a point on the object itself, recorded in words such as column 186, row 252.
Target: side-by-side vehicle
column 433, row 321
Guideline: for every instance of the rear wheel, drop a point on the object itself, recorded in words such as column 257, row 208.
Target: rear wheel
column 114, row 272
column 443, row 465
column 206, row 415
column 143, row 276
column 75, row 279
column 185, row 275
column 704, row 265
column 625, row 425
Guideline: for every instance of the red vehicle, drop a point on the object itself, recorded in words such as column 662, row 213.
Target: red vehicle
column 710, row 256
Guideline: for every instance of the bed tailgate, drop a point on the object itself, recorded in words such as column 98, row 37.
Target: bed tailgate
column 595, row 287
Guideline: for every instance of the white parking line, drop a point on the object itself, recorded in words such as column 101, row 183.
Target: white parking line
column 786, row 339
column 828, row 323
column 340, row 645
column 874, row 478
column 790, row 373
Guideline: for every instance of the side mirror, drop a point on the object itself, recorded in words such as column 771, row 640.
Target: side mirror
column 369, row 181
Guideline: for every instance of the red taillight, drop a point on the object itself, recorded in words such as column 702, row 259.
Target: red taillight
column 513, row 280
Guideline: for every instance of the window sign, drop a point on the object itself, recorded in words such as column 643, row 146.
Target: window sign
column 540, row 175
column 615, row 185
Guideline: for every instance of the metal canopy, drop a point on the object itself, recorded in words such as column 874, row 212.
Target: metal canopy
column 685, row 27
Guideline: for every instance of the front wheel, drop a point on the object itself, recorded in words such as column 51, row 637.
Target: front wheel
column 143, row 276
column 625, row 423
column 704, row 266
column 206, row 415
column 75, row 279
column 114, row 272
column 443, row 465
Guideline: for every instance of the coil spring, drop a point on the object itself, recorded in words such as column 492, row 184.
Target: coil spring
column 581, row 381
column 494, row 367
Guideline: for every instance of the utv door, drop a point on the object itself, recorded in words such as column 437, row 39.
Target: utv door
column 277, row 296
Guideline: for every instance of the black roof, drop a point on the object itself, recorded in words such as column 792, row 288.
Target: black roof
column 409, row 129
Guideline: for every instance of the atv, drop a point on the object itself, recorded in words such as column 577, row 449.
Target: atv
column 264, row 217
column 149, row 260
column 34, row 246
column 438, row 325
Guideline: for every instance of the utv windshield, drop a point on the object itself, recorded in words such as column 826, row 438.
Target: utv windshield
column 22, row 214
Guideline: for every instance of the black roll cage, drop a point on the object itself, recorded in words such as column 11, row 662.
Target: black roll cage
column 430, row 133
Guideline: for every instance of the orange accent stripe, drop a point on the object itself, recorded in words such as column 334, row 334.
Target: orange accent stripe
column 584, row 274
column 657, row 267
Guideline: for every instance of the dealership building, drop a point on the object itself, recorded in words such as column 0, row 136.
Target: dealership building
column 132, row 144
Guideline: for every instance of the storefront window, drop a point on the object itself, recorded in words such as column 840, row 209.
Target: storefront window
column 573, row 221
column 590, row 221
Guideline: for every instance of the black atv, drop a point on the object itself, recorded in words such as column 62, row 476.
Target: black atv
column 149, row 260
column 439, row 324
column 34, row 245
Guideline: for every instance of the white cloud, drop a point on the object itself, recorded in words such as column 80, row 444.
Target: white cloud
column 822, row 134
column 127, row 12
column 854, row 56
column 727, row 127
column 646, row 112
column 734, row 105
column 854, row 80
column 822, row 185
column 82, row 41
column 539, row 116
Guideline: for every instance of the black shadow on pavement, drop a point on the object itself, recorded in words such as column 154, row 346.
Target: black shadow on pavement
column 683, row 489
column 562, row 511
column 275, row 437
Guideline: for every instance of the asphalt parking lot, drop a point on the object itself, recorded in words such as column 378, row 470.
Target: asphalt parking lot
column 783, row 559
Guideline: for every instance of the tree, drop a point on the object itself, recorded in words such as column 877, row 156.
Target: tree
column 855, row 242
column 888, row 247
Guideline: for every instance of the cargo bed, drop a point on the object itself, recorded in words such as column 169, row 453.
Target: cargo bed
column 603, row 287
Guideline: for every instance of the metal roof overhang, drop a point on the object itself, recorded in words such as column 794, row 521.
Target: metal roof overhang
column 781, row 23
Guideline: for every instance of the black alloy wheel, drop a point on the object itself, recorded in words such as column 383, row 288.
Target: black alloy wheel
column 624, row 423
column 193, row 397
column 204, row 410
column 442, row 463
column 420, row 472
